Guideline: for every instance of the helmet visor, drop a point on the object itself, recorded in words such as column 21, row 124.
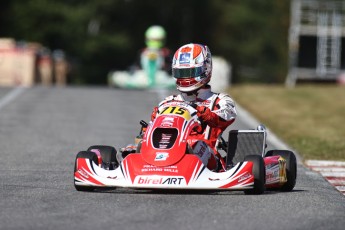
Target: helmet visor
column 188, row 72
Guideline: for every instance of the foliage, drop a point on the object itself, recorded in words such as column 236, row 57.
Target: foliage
column 253, row 35
column 107, row 35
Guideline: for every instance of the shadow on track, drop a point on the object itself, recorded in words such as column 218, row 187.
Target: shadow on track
column 183, row 192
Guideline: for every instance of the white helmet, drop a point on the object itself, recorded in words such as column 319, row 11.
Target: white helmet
column 192, row 67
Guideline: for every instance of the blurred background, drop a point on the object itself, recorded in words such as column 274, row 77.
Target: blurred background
column 95, row 37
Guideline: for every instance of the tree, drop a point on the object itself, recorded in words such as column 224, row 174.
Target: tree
column 253, row 35
column 106, row 35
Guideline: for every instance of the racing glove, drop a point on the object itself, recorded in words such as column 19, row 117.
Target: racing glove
column 206, row 115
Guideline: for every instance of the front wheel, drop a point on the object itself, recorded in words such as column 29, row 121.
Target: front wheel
column 259, row 174
column 291, row 167
column 108, row 154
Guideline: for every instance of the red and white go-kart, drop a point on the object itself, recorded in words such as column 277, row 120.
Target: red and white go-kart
column 164, row 160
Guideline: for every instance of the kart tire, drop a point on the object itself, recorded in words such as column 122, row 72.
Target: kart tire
column 108, row 154
column 88, row 155
column 291, row 167
column 259, row 174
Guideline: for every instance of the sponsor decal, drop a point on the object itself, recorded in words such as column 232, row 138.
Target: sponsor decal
column 165, row 140
column 244, row 177
column 156, row 180
column 168, row 119
column 166, row 125
column 172, row 169
column 167, row 122
column 161, row 156
column 175, row 110
column 272, row 173
column 202, row 150
column 151, row 168
column 184, row 58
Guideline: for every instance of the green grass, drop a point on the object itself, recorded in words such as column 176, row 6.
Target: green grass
column 310, row 118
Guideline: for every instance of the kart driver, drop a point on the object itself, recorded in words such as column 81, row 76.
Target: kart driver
column 192, row 69
column 155, row 40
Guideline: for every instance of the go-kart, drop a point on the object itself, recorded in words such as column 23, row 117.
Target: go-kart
column 165, row 160
column 149, row 76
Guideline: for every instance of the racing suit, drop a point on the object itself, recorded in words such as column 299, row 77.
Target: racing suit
column 163, row 58
column 217, row 111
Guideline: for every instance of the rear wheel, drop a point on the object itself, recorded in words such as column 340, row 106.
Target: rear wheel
column 259, row 174
column 108, row 154
column 88, row 155
column 291, row 167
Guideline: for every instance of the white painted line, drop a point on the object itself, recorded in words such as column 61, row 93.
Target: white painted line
column 328, row 169
column 11, row 96
column 325, row 163
column 333, row 174
column 341, row 188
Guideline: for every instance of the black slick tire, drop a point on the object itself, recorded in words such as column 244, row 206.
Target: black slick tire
column 259, row 175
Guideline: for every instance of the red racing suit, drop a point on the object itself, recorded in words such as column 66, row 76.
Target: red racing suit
column 217, row 110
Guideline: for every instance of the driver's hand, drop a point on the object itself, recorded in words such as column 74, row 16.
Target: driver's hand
column 204, row 113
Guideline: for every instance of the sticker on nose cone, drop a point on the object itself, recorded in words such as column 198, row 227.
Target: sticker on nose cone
column 161, row 156
column 159, row 180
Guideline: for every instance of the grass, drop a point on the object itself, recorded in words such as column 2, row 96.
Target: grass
column 310, row 118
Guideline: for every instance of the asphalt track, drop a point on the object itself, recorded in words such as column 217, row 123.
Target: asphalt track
column 41, row 131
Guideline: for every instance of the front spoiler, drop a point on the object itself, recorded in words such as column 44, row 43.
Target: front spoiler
column 189, row 173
